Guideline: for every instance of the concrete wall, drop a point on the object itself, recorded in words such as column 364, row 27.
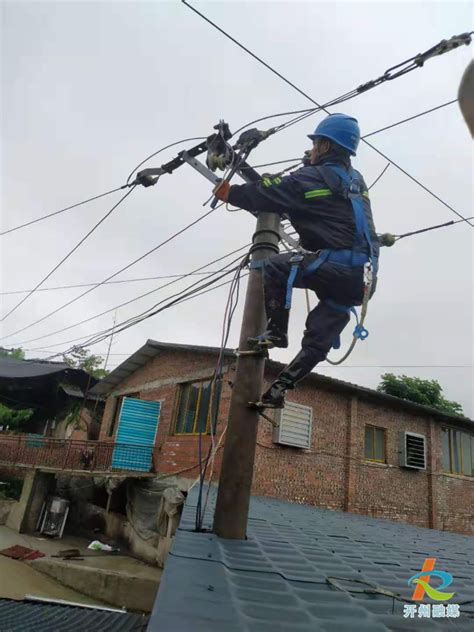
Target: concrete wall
column 333, row 473
column 25, row 513
column 5, row 507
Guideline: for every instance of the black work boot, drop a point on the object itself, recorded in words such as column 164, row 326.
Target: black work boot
column 275, row 333
column 298, row 368
column 274, row 397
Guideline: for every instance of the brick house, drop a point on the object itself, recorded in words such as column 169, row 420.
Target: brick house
column 338, row 445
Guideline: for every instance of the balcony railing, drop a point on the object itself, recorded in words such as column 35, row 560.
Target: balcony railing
column 65, row 454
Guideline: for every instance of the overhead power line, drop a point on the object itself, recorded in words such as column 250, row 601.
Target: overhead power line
column 342, row 366
column 61, row 307
column 63, row 210
column 392, row 73
column 78, row 285
column 410, row 118
column 181, row 297
column 115, row 307
column 58, row 265
column 267, row 164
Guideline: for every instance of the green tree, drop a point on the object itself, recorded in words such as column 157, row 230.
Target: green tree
column 17, row 354
column 80, row 358
column 14, row 418
column 415, row 389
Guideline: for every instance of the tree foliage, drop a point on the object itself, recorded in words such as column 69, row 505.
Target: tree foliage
column 415, row 389
column 14, row 418
column 17, row 354
column 80, row 358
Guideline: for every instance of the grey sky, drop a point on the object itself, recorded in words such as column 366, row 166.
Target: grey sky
column 90, row 89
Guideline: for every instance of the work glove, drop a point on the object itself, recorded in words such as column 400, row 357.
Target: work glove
column 221, row 190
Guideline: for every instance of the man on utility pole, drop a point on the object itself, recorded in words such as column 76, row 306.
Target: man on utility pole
column 328, row 205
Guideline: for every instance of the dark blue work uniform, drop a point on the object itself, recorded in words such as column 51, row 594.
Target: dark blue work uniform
column 317, row 202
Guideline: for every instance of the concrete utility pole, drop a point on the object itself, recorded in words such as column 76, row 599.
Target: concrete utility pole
column 233, row 497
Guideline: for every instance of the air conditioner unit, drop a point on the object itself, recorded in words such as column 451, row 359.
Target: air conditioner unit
column 294, row 425
column 413, row 450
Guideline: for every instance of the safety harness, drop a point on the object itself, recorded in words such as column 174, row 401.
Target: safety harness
column 352, row 258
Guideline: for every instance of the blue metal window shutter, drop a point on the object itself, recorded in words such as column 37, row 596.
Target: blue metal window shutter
column 136, row 433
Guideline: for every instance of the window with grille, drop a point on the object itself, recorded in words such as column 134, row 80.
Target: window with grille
column 375, row 444
column 458, row 452
column 194, row 410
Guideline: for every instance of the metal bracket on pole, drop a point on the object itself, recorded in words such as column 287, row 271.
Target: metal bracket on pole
column 203, row 170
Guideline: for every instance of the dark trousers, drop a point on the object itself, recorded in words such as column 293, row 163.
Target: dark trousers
column 342, row 284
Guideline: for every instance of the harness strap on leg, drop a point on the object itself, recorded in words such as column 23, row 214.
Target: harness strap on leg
column 295, row 261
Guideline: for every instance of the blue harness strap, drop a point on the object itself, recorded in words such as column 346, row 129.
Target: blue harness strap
column 355, row 196
column 342, row 257
column 295, row 261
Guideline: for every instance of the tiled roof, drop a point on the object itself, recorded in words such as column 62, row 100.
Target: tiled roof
column 307, row 569
column 41, row 616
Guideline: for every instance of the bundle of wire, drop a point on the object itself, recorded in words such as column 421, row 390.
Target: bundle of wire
column 215, row 385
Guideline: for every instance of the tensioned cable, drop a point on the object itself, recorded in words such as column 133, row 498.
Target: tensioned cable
column 64, row 342
column 58, row 265
column 63, row 210
column 268, row 164
column 78, row 285
column 410, row 118
column 416, row 61
column 130, row 301
column 70, row 302
column 95, row 339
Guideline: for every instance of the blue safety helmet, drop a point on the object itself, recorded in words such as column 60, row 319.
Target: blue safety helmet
column 340, row 128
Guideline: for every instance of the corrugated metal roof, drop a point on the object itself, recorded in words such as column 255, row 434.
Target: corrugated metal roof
column 152, row 348
column 14, row 369
column 306, row 569
column 33, row 616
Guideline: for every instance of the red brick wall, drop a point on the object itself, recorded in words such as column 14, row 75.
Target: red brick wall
column 333, row 472
column 314, row 476
column 176, row 453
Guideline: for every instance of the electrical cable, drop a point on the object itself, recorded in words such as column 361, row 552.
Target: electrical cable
column 78, row 285
column 68, row 208
column 411, row 64
column 107, row 332
column 379, row 176
column 180, row 295
column 108, row 311
column 425, row 230
column 311, row 110
column 410, row 118
column 129, row 265
column 183, row 298
column 425, row 188
column 231, row 305
column 58, row 265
